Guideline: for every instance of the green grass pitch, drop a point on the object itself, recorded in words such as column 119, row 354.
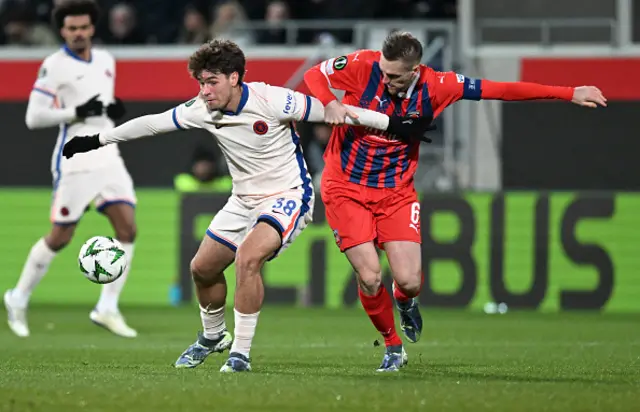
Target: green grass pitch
column 325, row 360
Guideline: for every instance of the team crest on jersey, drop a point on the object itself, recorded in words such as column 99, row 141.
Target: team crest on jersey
column 42, row 72
column 340, row 63
column 108, row 73
column 190, row 102
column 64, row 211
column 260, row 127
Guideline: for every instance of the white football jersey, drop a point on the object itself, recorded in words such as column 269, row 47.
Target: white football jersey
column 259, row 141
column 70, row 81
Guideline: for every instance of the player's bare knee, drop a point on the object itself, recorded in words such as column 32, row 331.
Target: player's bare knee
column 126, row 233
column 56, row 244
column 196, row 271
column 59, row 237
column 202, row 275
column 369, row 277
column 248, row 262
column 369, row 281
column 410, row 285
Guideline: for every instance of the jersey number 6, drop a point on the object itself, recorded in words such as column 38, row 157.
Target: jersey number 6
column 415, row 213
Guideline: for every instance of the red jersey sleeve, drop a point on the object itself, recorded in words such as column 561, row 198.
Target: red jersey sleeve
column 451, row 87
column 349, row 73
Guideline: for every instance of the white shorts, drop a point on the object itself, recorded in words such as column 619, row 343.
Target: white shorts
column 289, row 212
column 75, row 191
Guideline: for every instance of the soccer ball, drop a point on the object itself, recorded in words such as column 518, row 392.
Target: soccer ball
column 102, row 259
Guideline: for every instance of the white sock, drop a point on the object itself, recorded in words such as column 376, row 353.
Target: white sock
column 111, row 291
column 245, row 328
column 33, row 271
column 212, row 322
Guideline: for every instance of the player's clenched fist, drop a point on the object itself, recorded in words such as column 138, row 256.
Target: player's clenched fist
column 80, row 144
column 335, row 113
column 588, row 96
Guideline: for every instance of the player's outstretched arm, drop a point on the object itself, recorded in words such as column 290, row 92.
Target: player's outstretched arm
column 185, row 116
column 361, row 117
column 451, row 87
column 133, row 129
column 144, row 126
column 289, row 105
column 404, row 127
column 587, row 96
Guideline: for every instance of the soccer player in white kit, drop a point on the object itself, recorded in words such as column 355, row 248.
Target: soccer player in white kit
column 272, row 198
column 75, row 91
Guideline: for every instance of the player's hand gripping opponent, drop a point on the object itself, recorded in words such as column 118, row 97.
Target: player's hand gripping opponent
column 81, row 144
column 336, row 113
column 408, row 128
column 588, row 96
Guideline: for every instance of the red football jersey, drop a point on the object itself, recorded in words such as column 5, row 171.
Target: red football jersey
column 371, row 160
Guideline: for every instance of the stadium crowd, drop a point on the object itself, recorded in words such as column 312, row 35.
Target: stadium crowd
column 27, row 22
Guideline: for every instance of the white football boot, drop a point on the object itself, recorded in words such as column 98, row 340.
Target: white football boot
column 16, row 315
column 113, row 322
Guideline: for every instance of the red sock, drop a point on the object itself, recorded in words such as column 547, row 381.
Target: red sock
column 380, row 310
column 399, row 295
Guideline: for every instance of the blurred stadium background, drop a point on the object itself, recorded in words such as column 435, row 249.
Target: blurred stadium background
column 533, row 204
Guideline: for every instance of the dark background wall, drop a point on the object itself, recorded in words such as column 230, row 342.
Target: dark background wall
column 564, row 147
column 555, row 145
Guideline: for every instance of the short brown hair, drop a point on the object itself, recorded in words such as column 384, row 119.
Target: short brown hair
column 402, row 45
column 75, row 8
column 218, row 57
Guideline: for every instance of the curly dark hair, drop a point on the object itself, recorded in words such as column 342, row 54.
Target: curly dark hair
column 75, row 8
column 218, row 57
column 402, row 45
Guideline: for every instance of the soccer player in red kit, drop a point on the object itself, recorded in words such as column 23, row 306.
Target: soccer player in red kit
column 367, row 183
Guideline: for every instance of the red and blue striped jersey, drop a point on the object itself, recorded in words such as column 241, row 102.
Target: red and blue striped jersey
column 354, row 152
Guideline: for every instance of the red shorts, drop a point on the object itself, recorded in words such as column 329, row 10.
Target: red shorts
column 358, row 214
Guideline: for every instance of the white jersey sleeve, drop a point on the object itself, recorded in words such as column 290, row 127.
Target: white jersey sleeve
column 43, row 109
column 48, row 79
column 289, row 105
column 188, row 115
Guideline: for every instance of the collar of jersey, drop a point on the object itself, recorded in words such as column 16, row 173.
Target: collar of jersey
column 243, row 101
column 407, row 94
column 75, row 56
